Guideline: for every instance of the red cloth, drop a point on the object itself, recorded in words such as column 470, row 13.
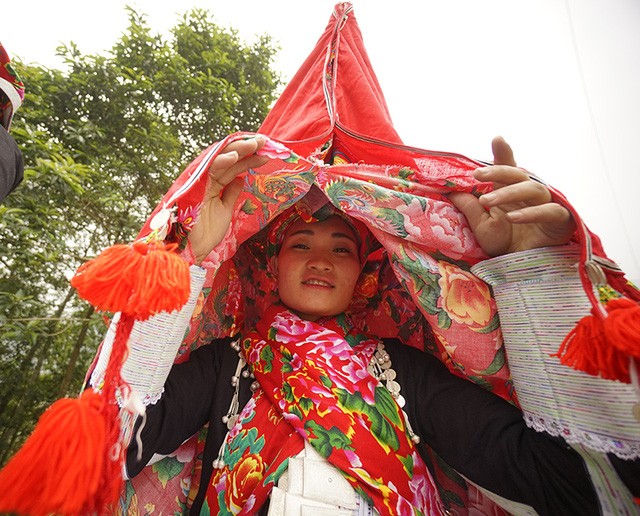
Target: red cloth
column 336, row 95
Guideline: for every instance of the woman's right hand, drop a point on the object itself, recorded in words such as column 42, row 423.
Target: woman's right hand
column 222, row 192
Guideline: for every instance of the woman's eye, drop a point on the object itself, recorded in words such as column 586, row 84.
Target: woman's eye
column 342, row 250
column 300, row 246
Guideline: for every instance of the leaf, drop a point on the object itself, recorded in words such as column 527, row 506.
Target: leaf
column 405, row 173
column 380, row 426
column 167, row 468
column 449, row 497
column 326, row 440
column 287, row 392
column 326, row 381
column 248, row 207
column 444, row 321
column 407, row 462
column 451, row 473
column 481, row 381
column 395, row 218
column 351, row 402
column 496, row 364
column 296, row 412
column 306, row 404
column 386, row 405
column 266, row 354
column 493, row 325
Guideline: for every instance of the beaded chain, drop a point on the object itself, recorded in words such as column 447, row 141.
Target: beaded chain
column 380, row 368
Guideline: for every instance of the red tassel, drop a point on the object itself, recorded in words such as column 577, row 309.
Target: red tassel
column 62, row 464
column 578, row 349
column 141, row 280
column 601, row 346
column 622, row 326
column 72, row 462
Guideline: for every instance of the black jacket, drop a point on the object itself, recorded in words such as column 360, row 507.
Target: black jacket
column 476, row 432
column 11, row 164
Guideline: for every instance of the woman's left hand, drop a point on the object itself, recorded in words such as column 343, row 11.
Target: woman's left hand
column 519, row 214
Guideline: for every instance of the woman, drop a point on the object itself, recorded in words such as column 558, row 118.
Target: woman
column 316, row 396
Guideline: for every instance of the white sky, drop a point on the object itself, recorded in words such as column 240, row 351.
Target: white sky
column 559, row 79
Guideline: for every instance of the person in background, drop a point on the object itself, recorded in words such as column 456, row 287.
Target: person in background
column 11, row 97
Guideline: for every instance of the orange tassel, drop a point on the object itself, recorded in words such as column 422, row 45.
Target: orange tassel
column 72, row 463
column 141, row 279
column 61, row 465
column 601, row 346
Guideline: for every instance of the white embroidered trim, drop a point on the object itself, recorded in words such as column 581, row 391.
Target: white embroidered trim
column 600, row 443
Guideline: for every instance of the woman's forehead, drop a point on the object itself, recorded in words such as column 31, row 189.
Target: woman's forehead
column 334, row 225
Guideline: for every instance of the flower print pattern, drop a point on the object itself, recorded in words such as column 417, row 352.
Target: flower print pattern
column 322, row 389
column 246, row 475
column 275, row 150
column 464, row 297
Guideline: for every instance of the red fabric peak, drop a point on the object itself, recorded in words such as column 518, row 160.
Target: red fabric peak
column 335, row 95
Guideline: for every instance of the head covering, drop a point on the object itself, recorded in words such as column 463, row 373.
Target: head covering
column 11, row 89
column 315, row 207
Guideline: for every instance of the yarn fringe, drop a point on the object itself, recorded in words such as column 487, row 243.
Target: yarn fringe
column 142, row 279
column 72, row 462
column 601, row 345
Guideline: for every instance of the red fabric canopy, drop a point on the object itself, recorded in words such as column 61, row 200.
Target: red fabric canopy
column 335, row 97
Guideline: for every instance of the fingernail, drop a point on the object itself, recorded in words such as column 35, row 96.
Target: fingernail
column 488, row 197
column 514, row 216
column 480, row 172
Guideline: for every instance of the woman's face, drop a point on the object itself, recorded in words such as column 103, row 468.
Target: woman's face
column 318, row 267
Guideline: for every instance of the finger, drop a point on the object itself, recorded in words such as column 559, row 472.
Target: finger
column 501, row 174
column 470, row 207
column 529, row 193
column 502, row 152
column 234, row 160
column 224, row 160
column 240, row 149
column 245, row 147
column 549, row 213
column 231, row 192
column 225, row 176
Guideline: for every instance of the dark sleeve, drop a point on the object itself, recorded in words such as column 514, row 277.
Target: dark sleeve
column 629, row 472
column 183, row 409
column 11, row 164
column 485, row 439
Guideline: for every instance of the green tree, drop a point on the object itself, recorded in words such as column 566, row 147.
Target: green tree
column 102, row 141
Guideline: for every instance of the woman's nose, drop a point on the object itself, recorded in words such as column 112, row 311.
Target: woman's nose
column 319, row 262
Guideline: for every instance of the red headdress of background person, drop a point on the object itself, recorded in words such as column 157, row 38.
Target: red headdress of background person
column 11, row 97
column 11, row 89
column 329, row 134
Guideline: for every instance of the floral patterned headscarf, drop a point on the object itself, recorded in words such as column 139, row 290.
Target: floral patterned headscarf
column 315, row 207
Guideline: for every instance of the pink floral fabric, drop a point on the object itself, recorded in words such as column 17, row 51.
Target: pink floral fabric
column 314, row 386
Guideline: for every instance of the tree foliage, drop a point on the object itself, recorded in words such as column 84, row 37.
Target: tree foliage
column 102, row 141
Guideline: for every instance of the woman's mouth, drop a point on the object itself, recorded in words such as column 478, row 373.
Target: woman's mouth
column 317, row 283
